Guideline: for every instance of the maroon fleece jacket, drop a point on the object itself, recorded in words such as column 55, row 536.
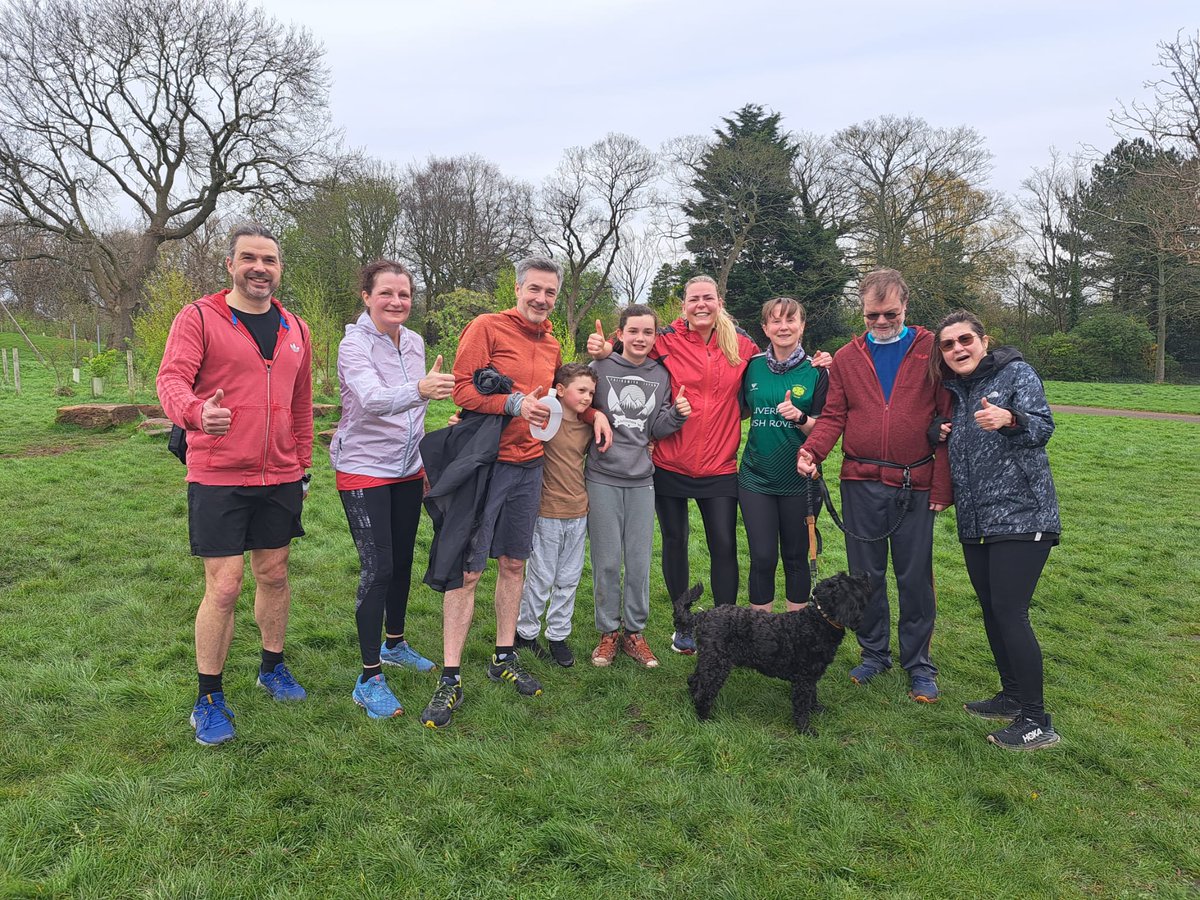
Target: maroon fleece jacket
column 894, row 430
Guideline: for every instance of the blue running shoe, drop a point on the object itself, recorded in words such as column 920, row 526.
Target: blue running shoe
column 377, row 698
column 864, row 672
column 683, row 642
column 404, row 655
column 923, row 689
column 213, row 720
column 280, row 684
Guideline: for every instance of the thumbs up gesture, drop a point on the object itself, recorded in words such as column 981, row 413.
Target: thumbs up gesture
column 993, row 418
column 681, row 403
column 598, row 346
column 787, row 409
column 436, row 385
column 533, row 411
column 215, row 418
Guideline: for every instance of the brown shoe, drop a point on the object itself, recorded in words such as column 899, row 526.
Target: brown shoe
column 635, row 645
column 606, row 650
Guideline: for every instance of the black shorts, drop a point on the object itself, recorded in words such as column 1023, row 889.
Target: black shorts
column 229, row 520
column 510, row 512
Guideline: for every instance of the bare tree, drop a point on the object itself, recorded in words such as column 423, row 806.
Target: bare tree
column 462, row 220
column 635, row 264
column 586, row 208
column 823, row 191
column 1053, row 244
column 135, row 117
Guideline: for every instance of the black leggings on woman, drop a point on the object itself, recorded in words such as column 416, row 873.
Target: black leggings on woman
column 383, row 522
column 720, row 531
column 1004, row 575
column 775, row 525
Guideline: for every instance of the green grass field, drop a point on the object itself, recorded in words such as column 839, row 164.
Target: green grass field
column 606, row 786
column 1172, row 398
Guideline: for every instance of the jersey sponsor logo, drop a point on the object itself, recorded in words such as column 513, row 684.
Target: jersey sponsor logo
column 631, row 400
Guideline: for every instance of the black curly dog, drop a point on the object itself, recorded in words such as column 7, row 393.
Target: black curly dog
column 794, row 646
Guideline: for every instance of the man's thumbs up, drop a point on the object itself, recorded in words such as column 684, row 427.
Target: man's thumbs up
column 214, row 418
column 681, row 403
column 437, row 385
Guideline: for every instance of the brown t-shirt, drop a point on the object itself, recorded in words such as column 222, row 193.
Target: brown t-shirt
column 563, row 493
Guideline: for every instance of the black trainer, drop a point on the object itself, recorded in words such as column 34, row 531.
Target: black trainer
column 1001, row 707
column 1025, row 734
column 446, row 699
column 533, row 645
column 510, row 670
column 562, row 654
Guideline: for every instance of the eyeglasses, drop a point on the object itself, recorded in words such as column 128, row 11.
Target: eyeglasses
column 966, row 340
column 891, row 315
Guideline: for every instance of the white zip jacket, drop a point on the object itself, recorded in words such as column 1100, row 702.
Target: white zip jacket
column 383, row 414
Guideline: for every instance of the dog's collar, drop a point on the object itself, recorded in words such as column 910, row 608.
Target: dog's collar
column 836, row 625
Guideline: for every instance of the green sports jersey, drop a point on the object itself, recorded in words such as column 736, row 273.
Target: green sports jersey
column 769, row 460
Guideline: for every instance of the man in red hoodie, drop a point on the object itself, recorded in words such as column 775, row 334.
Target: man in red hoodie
column 236, row 374
column 882, row 402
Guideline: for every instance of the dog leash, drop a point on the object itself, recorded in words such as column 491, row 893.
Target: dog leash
column 903, row 495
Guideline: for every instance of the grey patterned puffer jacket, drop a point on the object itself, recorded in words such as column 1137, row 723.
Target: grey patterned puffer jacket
column 1002, row 483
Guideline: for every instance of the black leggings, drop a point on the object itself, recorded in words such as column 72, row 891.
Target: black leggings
column 775, row 525
column 1004, row 575
column 383, row 522
column 720, row 531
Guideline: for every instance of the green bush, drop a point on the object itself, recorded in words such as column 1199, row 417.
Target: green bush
column 100, row 365
column 455, row 311
column 166, row 293
column 1103, row 347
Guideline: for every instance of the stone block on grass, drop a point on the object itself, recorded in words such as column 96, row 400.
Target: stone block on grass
column 97, row 415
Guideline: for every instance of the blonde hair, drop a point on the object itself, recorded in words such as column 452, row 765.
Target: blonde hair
column 726, row 328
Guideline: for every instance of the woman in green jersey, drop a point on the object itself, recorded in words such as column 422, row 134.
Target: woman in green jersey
column 783, row 393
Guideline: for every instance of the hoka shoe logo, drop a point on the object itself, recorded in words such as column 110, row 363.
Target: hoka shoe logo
column 1032, row 735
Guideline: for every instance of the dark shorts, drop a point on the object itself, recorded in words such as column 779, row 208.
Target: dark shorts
column 228, row 521
column 509, row 516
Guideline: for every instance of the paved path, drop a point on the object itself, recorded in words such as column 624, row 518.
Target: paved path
column 1128, row 413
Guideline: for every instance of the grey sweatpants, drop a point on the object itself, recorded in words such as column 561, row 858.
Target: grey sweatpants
column 869, row 509
column 621, row 530
column 551, row 577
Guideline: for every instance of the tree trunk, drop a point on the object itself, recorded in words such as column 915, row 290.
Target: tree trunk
column 1160, row 351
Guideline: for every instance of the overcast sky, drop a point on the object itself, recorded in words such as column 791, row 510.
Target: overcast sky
column 518, row 82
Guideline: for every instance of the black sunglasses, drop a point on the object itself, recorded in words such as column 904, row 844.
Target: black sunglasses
column 891, row 315
column 966, row 340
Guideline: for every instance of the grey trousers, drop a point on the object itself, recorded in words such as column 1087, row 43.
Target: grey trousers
column 869, row 509
column 551, row 577
column 621, row 530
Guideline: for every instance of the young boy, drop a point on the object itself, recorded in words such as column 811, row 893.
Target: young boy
column 556, row 560
column 634, row 391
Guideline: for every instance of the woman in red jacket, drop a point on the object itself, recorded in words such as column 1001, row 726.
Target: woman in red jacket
column 705, row 354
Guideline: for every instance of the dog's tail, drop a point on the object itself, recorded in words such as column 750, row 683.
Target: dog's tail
column 683, row 607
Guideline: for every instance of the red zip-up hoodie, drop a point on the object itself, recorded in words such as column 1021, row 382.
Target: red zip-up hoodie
column 707, row 444
column 894, row 430
column 270, row 437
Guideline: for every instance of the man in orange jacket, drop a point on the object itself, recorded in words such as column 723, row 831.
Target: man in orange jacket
column 237, row 375
column 518, row 343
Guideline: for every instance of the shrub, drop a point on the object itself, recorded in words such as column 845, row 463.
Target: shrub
column 166, row 293
column 100, row 365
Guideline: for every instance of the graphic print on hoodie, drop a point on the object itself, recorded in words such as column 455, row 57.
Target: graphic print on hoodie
column 637, row 400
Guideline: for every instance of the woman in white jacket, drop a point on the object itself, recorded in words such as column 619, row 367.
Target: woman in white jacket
column 381, row 368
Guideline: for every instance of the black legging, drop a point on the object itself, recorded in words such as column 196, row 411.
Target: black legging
column 776, row 525
column 1004, row 575
column 383, row 522
column 720, row 532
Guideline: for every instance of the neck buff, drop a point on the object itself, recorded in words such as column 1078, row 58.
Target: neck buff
column 891, row 340
column 791, row 362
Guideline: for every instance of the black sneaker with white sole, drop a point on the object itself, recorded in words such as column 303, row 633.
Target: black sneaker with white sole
column 1001, row 707
column 1025, row 734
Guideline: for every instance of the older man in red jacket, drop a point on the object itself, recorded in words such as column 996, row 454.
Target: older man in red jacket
column 882, row 402
column 236, row 374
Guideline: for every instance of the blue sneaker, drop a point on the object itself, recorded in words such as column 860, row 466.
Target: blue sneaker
column 213, row 720
column 864, row 672
column 404, row 655
column 683, row 642
column 280, row 684
column 377, row 698
column 923, row 689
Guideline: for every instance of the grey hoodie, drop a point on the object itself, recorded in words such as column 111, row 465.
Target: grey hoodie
column 639, row 405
